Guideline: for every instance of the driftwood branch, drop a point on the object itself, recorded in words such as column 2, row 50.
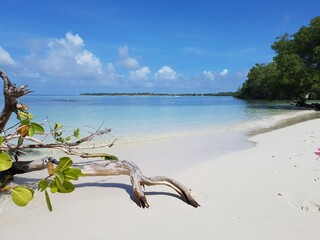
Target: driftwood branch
column 138, row 180
column 113, row 168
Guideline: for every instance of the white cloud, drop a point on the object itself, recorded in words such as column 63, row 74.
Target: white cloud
column 5, row 58
column 224, row 72
column 141, row 73
column 88, row 59
column 110, row 73
column 69, row 41
column 66, row 58
column 75, row 39
column 67, row 62
column 166, row 73
column 110, row 68
column 126, row 60
column 208, row 75
column 109, row 77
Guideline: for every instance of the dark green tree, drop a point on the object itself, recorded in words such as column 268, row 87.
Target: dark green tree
column 258, row 82
column 297, row 62
column 295, row 70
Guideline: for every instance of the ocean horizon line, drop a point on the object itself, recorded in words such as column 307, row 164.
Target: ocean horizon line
column 155, row 94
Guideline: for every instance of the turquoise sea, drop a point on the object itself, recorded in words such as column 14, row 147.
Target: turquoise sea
column 147, row 117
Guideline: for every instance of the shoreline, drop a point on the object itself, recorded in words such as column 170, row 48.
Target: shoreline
column 269, row 191
column 251, row 129
column 309, row 115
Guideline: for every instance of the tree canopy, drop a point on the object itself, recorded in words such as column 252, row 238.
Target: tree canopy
column 294, row 71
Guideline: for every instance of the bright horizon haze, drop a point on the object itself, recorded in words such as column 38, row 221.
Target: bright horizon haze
column 71, row 47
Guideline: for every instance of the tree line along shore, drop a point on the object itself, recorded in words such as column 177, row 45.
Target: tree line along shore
column 161, row 94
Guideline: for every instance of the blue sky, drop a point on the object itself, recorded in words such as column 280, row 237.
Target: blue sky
column 69, row 47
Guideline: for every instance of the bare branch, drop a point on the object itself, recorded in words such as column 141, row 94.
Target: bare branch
column 65, row 147
column 138, row 180
column 91, row 136
column 114, row 168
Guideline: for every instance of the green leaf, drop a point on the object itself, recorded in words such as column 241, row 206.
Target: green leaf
column 21, row 196
column 54, row 189
column 25, row 122
column 37, row 128
column 60, row 139
column 59, row 175
column 30, row 116
column 58, row 134
column 57, row 126
column 76, row 133
column 110, row 157
column 42, row 185
column 48, row 201
column 69, row 175
column 65, row 163
column 22, row 115
column 68, row 139
column 75, row 171
column 1, row 140
column 59, row 184
column 53, row 186
column 67, row 187
column 31, row 131
column 73, row 174
column 5, row 161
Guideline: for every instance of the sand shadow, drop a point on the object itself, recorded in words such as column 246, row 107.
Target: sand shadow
column 26, row 181
column 125, row 187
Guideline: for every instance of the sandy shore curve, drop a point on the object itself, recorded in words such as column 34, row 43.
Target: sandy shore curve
column 270, row 191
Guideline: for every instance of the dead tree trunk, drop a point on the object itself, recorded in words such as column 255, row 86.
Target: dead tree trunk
column 113, row 168
column 11, row 94
column 91, row 168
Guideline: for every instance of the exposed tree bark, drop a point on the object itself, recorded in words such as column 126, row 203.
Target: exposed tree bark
column 314, row 106
column 11, row 93
column 113, row 168
column 302, row 102
column 138, row 180
column 91, row 168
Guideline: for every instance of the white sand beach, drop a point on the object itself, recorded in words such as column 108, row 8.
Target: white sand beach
column 269, row 191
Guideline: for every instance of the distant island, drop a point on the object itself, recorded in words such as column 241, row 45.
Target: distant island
column 161, row 94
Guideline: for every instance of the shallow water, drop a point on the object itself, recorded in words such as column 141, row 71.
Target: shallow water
column 145, row 117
